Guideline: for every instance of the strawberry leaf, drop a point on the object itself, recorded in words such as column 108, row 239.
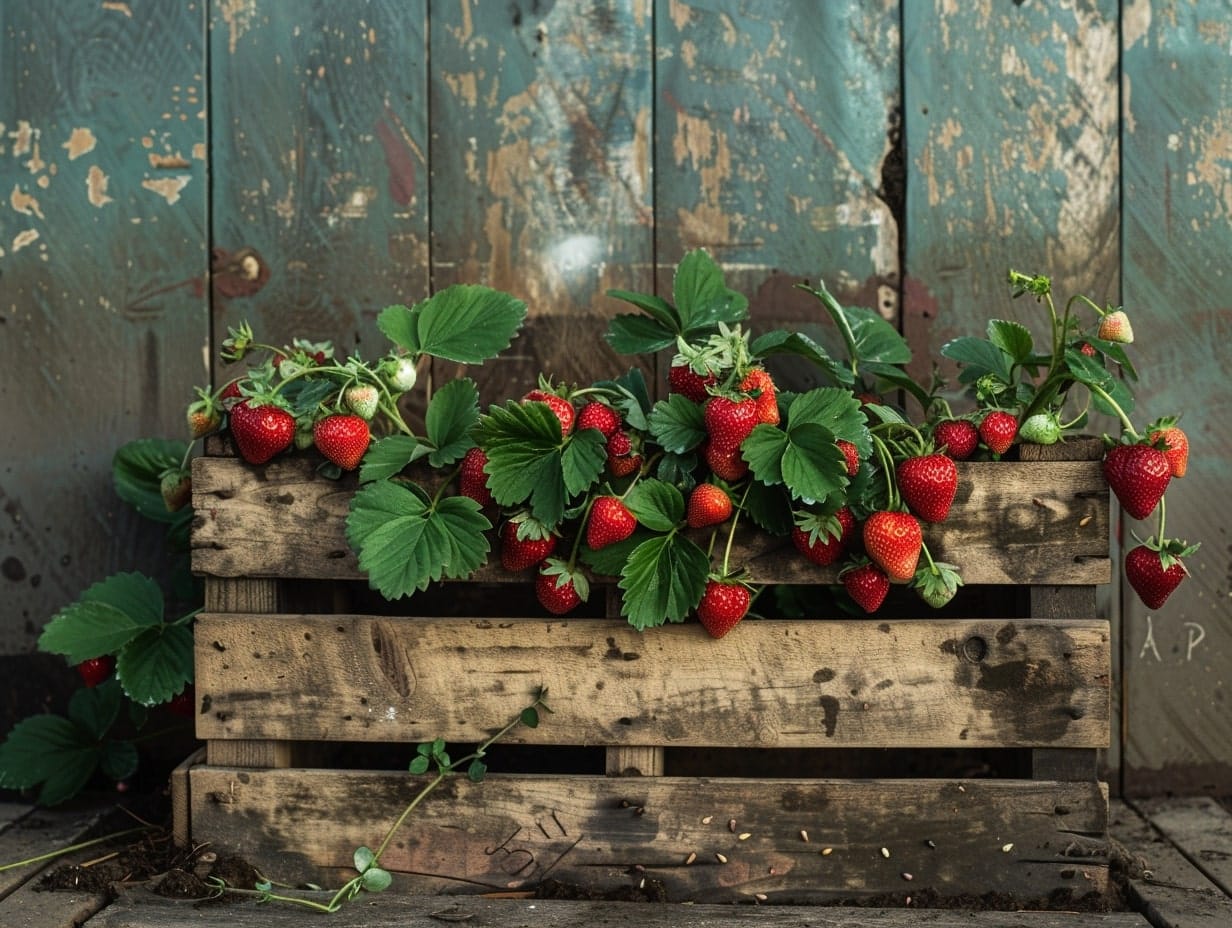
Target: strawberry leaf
column 529, row 459
column 657, row 505
column 1011, row 337
column 838, row 411
column 95, row 709
column 305, row 395
column 136, row 471
column 49, row 750
column 678, row 469
column 662, row 580
column 405, row 541
column 799, row 345
column 633, row 399
column 677, row 423
column 629, row 334
column 655, row 306
column 610, row 560
column 466, row 323
column 702, row 298
column 118, row 759
column 769, row 507
column 107, row 616
column 813, row 465
column 978, row 358
column 451, row 415
column 388, row 456
column 875, row 339
column 156, row 664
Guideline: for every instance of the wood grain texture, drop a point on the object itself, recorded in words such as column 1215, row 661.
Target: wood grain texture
column 1200, row 828
column 103, row 319
column 1010, row 523
column 140, row 908
column 321, row 167
column 511, row 832
column 1013, row 161
column 541, row 172
column 1178, row 207
column 837, row 683
column 777, row 150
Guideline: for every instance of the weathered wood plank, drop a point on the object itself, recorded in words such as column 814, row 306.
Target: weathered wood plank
column 1010, row 523
column 102, row 272
column 511, row 832
column 1160, row 882
column 840, row 683
column 1200, row 828
column 320, row 168
column 541, row 173
column 780, row 153
column 142, row 909
column 43, row 831
column 1178, row 119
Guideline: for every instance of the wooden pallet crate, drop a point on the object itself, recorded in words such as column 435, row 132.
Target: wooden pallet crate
column 814, row 759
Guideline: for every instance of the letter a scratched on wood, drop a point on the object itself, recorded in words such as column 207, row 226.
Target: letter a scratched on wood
column 1149, row 643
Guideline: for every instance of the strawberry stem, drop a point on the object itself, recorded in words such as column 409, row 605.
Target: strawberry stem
column 731, row 531
column 1116, row 408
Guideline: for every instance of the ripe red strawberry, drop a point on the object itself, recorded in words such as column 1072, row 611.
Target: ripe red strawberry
column 928, row 484
column 624, row 465
column 684, row 380
column 94, row 670
column 956, row 438
column 1138, row 474
column 867, row 584
column 723, row 604
column 852, row 454
column 230, row 395
column 260, row 432
column 342, row 438
column 183, row 703
column 1154, row 574
column 893, row 540
column 758, row 381
column 1177, row 450
column 599, row 416
column 524, row 543
column 1115, row 327
column 472, row 480
column 619, row 445
column 823, row 539
column 997, row 431
column 725, row 463
column 559, row 589
column 729, row 422
column 175, row 486
column 363, row 399
column 561, row 408
column 610, row 522
column 708, row 505
column 1087, row 349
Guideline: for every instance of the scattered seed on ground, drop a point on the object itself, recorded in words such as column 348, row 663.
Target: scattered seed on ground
column 692, row 857
column 885, row 852
column 804, row 836
column 720, row 858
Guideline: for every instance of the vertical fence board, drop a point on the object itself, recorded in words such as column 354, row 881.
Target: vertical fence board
column 102, row 264
column 776, row 150
column 320, row 167
column 541, row 131
column 1178, row 234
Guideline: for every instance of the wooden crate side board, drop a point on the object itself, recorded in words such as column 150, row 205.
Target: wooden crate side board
column 1011, row 522
column 833, row 683
column 511, row 832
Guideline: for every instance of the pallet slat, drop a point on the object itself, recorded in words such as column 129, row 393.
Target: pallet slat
column 1011, row 522
column 841, row 683
column 1025, row 838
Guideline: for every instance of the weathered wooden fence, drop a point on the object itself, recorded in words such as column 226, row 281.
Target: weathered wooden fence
column 172, row 168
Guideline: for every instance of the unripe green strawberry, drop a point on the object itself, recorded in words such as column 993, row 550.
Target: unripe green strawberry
column 1042, row 428
column 1115, row 327
column 708, row 505
column 723, row 604
column 936, row 583
column 893, row 540
column 610, row 521
column 342, row 438
column 867, row 585
column 363, row 399
column 399, row 373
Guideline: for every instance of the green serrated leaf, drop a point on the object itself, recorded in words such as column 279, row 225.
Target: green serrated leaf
column 582, row 460
column 979, row 358
column 307, row 393
column 49, row 750
column 764, row 450
column 702, row 298
column 96, row 709
column 835, row 409
column 678, row 469
column 467, row 323
column 452, row 413
column 1087, row 370
column 389, row 456
column 657, row 307
column 405, row 543
column 677, row 423
column 118, row 759
column 769, row 507
column 813, row 465
column 136, row 472
column 1011, row 337
column 107, row 616
column 662, row 580
column 609, row 560
column 875, row 339
column 398, row 324
column 629, row 334
column 633, row 400
column 796, row 344
column 657, row 505
column 156, row 664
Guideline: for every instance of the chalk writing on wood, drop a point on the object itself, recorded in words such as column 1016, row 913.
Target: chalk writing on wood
column 1194, row 636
